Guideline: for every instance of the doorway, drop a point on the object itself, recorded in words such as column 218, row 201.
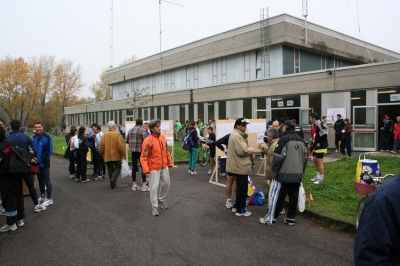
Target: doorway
column 393, row 110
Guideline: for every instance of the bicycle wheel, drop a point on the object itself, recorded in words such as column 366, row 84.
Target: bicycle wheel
column 202, row 157
column 360, row 206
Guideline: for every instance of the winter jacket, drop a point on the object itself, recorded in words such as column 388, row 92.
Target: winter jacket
column 299, row 131
column 348, row 129
column 388, row 126
column 83, row 145
column 155, row 155
column 290, row 158
column 239, row 152
column 396, row 131
column 269, row 152
column 378, row 235
column 338, row 126
column 194, row 136
column 21, row 140
column 321, row 137
column 112, row 146
column 5, row 144
column 44, row 148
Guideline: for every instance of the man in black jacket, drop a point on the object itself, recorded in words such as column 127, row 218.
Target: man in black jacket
column 387, row 133
column 338, row 127
column 288, row 166
column 377, row 241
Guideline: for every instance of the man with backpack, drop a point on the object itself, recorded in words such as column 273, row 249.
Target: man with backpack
column 22, row 141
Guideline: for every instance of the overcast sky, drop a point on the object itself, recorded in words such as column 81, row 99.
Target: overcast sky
column 80, row 29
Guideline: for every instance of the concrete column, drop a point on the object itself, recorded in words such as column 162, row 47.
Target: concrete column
column 187, row 112
column 234, row 109
column 205, row 115
column 216, row 110
column 372, row 98
column 196, row 112
column 253, row 107
column 304, row 101
column 162, row 113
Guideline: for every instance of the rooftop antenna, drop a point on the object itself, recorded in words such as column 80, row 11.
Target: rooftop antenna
column 159, row 9
column 305, row 14
column 112, row 35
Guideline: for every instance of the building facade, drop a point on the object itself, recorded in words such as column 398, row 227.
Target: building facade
column 223, row 76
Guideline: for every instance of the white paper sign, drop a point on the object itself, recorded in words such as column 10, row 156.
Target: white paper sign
column 289, row 103
column 260, row 138
column 394, row 97
column 256, row 127
column 128, row 127
column 281, row 104
column 170, row 141
column 164, row 125
column 334, row 112
column 224, row 129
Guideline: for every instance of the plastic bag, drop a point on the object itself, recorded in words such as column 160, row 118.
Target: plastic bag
column 257, row 198
column 301, row 204
column 125, row 170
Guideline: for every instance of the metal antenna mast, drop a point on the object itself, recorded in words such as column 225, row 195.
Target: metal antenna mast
column 159, row 9
column 305, row 14
column 264, row 26
column 112, row 35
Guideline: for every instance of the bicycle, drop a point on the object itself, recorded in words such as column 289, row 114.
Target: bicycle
column 365, row 190
column 204, row 154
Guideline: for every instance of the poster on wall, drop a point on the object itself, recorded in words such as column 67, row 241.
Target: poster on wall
column 333, row 112
column 281, row 103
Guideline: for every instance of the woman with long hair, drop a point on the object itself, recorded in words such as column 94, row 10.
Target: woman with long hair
column 72, row 143
column 81, row 153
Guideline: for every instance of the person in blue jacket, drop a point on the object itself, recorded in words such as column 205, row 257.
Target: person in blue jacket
column 44, row 148
column 378, row 235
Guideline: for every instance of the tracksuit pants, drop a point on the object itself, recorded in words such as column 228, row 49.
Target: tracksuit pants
column 44, row 181
column 12, row 198
column 159, row 184
column 242, row 186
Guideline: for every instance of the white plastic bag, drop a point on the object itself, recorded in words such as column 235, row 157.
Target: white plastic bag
column 271, row 187
column 301, row 205
column 125, row 170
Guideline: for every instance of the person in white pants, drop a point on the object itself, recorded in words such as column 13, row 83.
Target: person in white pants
column 155, row 160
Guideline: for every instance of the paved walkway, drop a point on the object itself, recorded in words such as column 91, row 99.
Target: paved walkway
column 91, row 224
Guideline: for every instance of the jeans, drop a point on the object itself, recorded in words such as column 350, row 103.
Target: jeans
column 396, row 145
column 222, row 166
column 44, row 181
column 386, row 141
column 81, row 165
column 114, row 169
column 346, row 144
column 241, row 195
column 193, row 155
column 135, row 160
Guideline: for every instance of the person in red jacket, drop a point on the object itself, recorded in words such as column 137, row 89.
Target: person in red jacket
column 396, row 135
column 155, row 160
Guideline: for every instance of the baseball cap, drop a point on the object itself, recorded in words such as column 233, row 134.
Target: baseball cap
column 242, row 122
column 288, row 123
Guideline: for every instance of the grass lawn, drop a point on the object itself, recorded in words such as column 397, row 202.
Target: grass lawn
column 335, row 197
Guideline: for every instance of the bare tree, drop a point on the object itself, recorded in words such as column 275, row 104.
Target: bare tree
column 129, row 60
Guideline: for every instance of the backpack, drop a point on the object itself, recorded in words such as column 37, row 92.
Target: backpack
column 20, row 161
column 187, row 142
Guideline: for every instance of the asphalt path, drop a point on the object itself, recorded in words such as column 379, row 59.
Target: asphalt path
column 92, row 224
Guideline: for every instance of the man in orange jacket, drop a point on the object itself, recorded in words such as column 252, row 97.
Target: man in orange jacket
column 155, row 160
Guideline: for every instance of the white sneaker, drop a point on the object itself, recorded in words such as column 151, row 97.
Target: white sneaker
column 39, row 208
column 48, row 202
column 136, row 188
column 145, row 188
column 71, row 176
column 282, row 211
column 245, row 214
column 318, row 181
column 266, row 221
column 314, row 179
column 154, row 211
column 393, row 152
column 229, row 204
column 20, row 223
column 234, row 209
column 41, row 199
column 209, row 172
column 223, row 174
column 193, row 173
column 190, row 171
column 7, row 227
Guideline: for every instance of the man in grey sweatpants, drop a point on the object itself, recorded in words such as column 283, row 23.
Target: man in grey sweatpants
column 155, row 160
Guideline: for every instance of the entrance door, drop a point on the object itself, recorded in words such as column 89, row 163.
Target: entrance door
column 260, row 114
column 304, row 122
column 364, row 128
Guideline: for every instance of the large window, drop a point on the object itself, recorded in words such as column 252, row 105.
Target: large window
column 389, row 95
column 191, row 113
column 247, row 110
column 211, row 115
column 314, row 102
column 181, row 112
column 221, row 110
column 200, row 111
column 166, row 113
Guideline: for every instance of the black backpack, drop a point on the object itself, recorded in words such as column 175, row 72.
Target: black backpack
column 20, row 161
column 187, row 142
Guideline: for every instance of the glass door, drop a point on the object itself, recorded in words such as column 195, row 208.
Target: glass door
column 304, row 122
column 364, row 128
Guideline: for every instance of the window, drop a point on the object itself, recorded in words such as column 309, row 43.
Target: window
column 296, row 61
column 285, row 101
column 166, row 112
column 258, row 65
column 221, row 110
column 172, row 80
column 210, row 112
column 214, row 72
column 247, row 110
column 195, row 79
column 182, row 111
column 223, row 63
column 159, row 112
column 200, row 111
column 314, row 102
column 261, row 103
column 188, row 77
column 323, row 62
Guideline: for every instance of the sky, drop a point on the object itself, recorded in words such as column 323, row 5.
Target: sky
column 79, row 30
